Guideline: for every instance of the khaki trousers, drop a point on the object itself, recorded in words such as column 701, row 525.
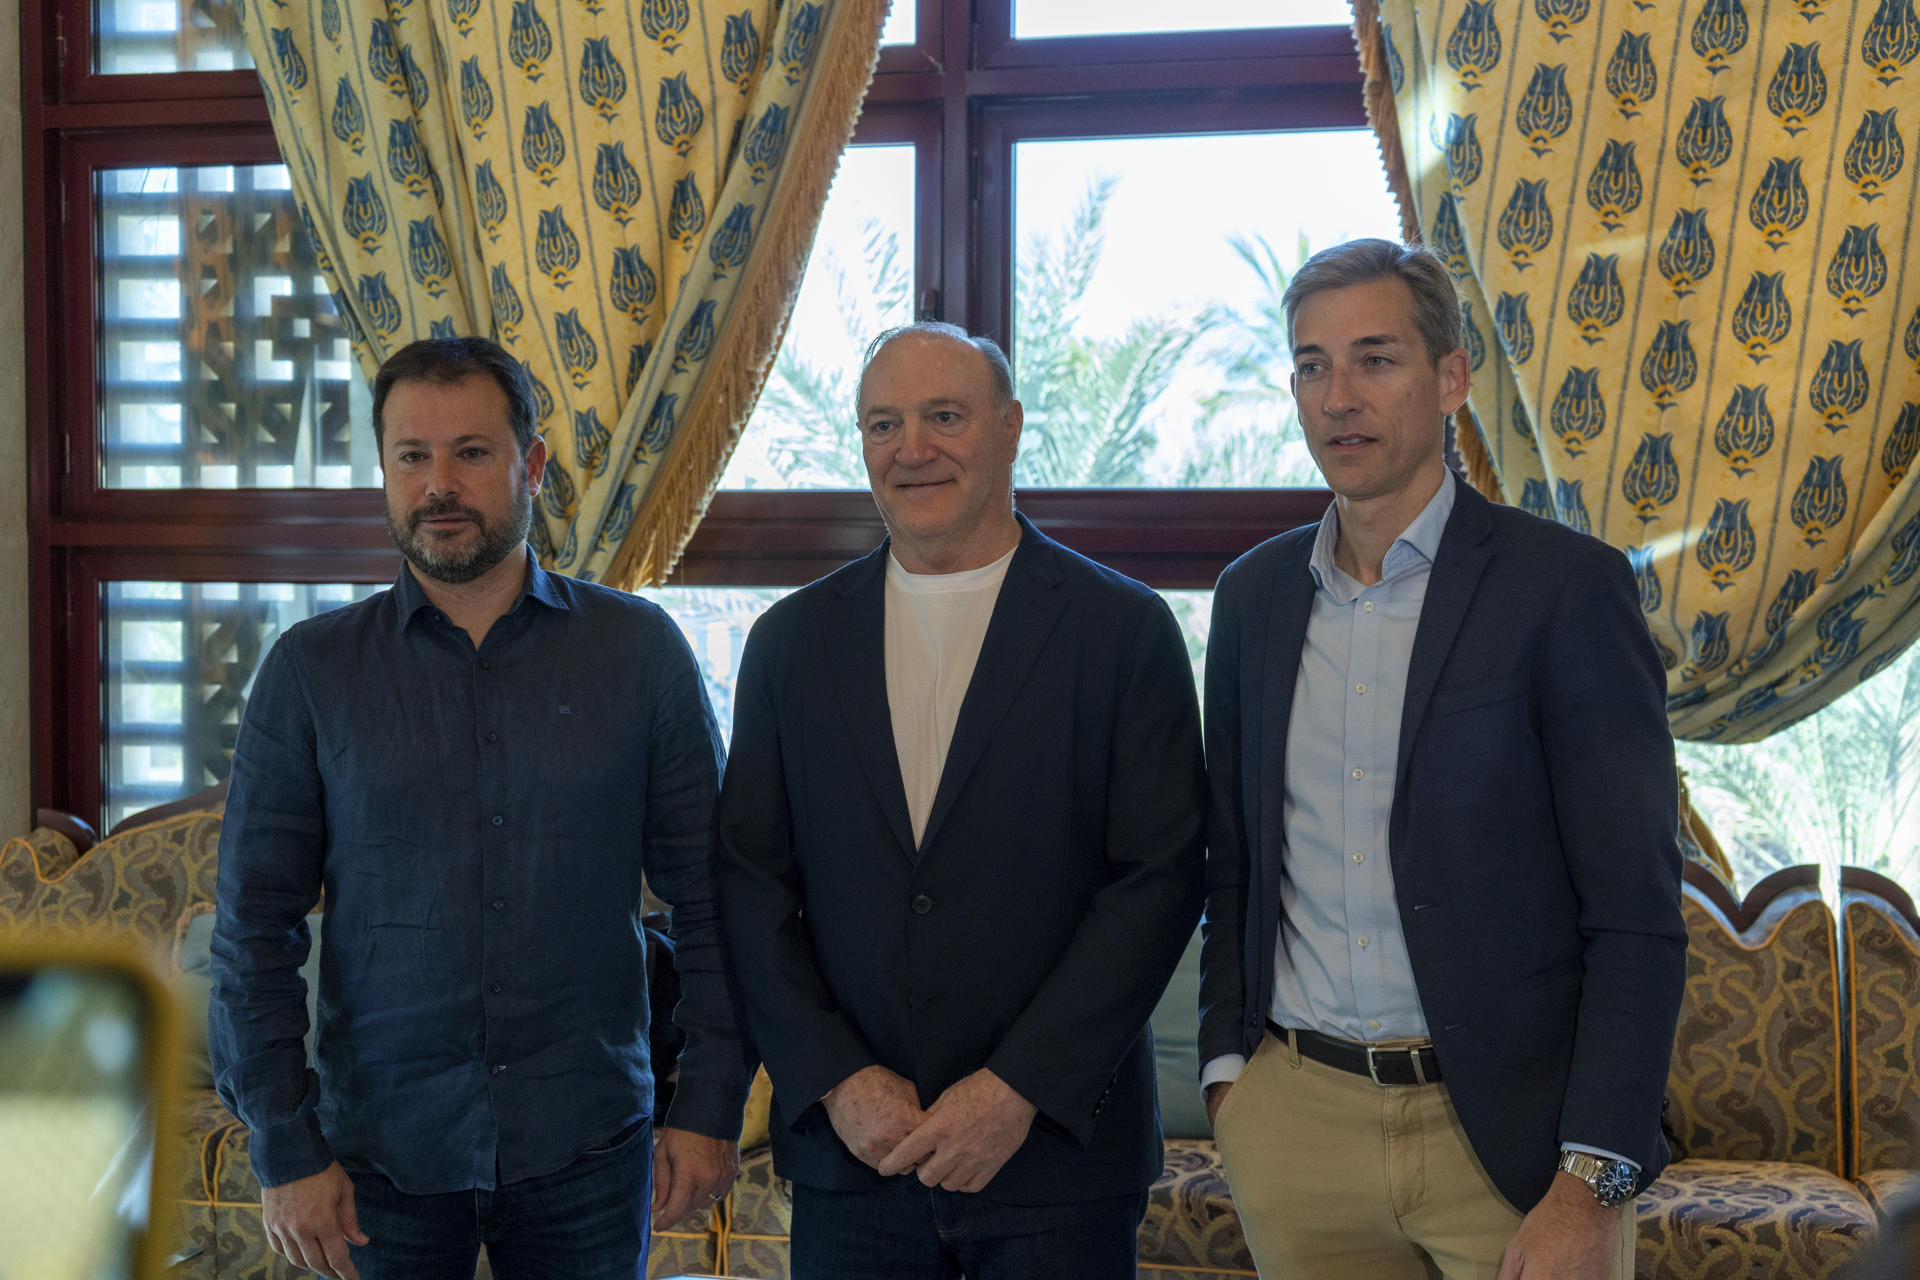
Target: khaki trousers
column 1338, row 1178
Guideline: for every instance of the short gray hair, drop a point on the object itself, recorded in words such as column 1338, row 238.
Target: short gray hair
column 1436, row 306
column 987, row 347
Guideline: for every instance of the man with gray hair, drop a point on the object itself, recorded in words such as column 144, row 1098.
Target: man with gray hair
column 959, row 854
column 1443, row 949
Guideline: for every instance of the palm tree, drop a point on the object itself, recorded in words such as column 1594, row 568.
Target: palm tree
column 806, row 412
column 1249, row 430
column 1090, row 402
column 1838, row 789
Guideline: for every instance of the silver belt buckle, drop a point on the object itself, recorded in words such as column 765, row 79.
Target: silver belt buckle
column 1373, row 1069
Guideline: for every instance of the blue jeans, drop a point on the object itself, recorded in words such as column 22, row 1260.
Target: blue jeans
column 905, row 1231
column 591, row 1220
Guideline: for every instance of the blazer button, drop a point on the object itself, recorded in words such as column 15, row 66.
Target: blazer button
column 922, row 904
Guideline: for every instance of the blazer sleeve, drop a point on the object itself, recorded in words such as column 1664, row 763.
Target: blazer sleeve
column 1609, row 761
column 790, row 1016
column 1066, row 1045
column 1223, row 975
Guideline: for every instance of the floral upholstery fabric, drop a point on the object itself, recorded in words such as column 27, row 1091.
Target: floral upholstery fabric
column 1889, row 1189
column 1883, row 969
column 761, row 1217
column 1736, row 1219
column 1191, row 1227
column 1756, row 1071
column 134, row 882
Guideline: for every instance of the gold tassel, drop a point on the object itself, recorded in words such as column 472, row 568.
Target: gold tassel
column 750, row 334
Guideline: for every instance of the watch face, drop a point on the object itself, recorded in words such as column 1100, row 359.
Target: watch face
column 1614, row 1183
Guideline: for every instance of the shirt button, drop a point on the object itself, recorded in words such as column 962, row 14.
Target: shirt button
column 1367, row 607
column 1373, row 1024
column 485, row 665
column 498, row 820
column 1360, row 688
column 922, row 904
column 499, row 904
column 1359, row 773
column 497, row 988
column 493, row 737
column 1363, row 941
column 1359, row 858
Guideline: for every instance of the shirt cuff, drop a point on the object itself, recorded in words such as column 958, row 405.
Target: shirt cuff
column 1602, row 1152
column 288, row 1152
column 1224, row 1069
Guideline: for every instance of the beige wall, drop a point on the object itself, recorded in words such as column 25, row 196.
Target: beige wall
column 16, row 810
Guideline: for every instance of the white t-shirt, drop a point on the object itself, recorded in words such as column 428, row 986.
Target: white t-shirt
column 935, row 624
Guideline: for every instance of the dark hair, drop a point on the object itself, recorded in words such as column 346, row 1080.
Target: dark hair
column 445, row 361
column 996, row 358
column 1436, row 306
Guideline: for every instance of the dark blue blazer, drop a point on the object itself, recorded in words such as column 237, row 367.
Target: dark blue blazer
column 1533, row 832
column 1054, row 888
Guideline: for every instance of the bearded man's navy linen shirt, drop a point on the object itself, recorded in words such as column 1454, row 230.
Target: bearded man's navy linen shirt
column 479, row 820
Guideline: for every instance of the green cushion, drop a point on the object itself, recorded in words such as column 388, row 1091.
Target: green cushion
column 195, row 985
column 1176, row 1049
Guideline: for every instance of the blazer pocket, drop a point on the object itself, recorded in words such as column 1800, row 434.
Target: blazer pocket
column 1452, row 702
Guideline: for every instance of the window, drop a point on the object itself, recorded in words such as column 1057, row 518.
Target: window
column 1840, row 788
column 203, row 473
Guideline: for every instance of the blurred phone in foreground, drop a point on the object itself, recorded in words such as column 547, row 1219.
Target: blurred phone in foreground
column 87, row 1045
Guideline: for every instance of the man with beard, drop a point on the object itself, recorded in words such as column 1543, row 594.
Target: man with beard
column 476, row 768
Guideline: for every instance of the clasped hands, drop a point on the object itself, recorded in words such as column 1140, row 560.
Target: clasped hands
column 958, row 1143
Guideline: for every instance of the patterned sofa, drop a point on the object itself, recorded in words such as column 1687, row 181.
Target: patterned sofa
column 1793, row 1104
column 1789, row 1104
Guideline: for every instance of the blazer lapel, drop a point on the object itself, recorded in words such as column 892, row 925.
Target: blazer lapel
column 1456, row 572
column 1289, row 606
column 857, row 645
column 1029, row 606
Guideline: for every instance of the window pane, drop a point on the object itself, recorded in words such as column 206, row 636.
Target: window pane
column 1193, row 610
column 1150, row 348
column 901, row 28
column 180, row 659
column 223, row 363
column 145, row 37
column 858, row 282
column 1033, row 19
column 715, row 621
column 1840, row 788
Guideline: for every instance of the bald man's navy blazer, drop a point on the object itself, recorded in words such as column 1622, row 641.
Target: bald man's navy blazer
column 1032, row 929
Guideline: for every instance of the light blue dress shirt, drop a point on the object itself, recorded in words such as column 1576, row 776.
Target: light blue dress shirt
column 1341, row 964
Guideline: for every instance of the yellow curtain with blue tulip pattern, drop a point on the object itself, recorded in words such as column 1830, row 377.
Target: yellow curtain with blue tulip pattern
column 622, row 193
column 1684, row 238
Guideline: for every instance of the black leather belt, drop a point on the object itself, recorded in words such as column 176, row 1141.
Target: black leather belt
column 1404, row 1064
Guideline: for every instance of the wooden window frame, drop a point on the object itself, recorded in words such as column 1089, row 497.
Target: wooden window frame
column 964, row 114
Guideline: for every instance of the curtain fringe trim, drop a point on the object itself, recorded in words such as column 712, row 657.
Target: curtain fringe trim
column 749, row 337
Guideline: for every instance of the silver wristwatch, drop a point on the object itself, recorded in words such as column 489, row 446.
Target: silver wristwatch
column 1611, row 1181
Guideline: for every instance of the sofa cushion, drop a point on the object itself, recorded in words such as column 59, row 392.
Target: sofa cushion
column 1190, row 1226
column 760, row 1218
column 1176, row 1049
column 193, row 960
column 1883, row 1024
column 1756, row 1054
column 1889, row 1190
column 1711, row 1218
